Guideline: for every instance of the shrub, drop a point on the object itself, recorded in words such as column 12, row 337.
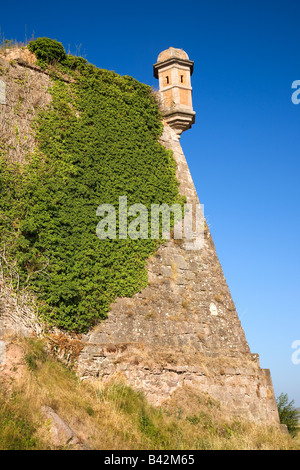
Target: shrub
column 47, row 51
column 288, row 414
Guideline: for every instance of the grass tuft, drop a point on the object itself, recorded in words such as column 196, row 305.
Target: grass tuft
column 112, row 415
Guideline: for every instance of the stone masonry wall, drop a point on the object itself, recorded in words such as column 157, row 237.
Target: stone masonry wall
column 182, row 329
column 27, row 92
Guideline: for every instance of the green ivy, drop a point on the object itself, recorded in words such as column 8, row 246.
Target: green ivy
column 98, row 140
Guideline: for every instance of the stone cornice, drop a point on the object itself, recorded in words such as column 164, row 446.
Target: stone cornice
column 171, row 61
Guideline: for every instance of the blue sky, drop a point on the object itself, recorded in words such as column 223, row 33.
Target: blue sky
column 244, row 148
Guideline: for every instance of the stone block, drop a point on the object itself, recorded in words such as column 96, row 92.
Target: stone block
column 2, row 92
column 2, row 352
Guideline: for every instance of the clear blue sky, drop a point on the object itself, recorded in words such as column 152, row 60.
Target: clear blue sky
column 243, row 150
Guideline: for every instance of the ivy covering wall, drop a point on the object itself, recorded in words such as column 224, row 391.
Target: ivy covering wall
column 98, row 140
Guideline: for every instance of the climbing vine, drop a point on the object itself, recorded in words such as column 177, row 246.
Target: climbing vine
column 98, row 140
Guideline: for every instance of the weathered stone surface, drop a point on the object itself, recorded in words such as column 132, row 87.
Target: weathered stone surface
column 13, row 365
column 182, row 329
column 26, row 93
column 61, row 434
column 2, row 352
column 2, row 92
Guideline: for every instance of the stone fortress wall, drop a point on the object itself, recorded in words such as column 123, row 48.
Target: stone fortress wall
column 183, row 328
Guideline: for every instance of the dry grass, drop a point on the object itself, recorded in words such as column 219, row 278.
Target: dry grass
column 113, row 416
column 6, row 44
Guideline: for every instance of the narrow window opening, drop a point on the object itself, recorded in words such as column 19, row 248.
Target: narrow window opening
column 167, row 80
column 181, row 78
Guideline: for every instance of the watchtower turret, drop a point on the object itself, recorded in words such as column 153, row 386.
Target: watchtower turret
column 174, row 71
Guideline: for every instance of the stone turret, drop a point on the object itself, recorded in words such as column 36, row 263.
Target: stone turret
column 174, row 71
